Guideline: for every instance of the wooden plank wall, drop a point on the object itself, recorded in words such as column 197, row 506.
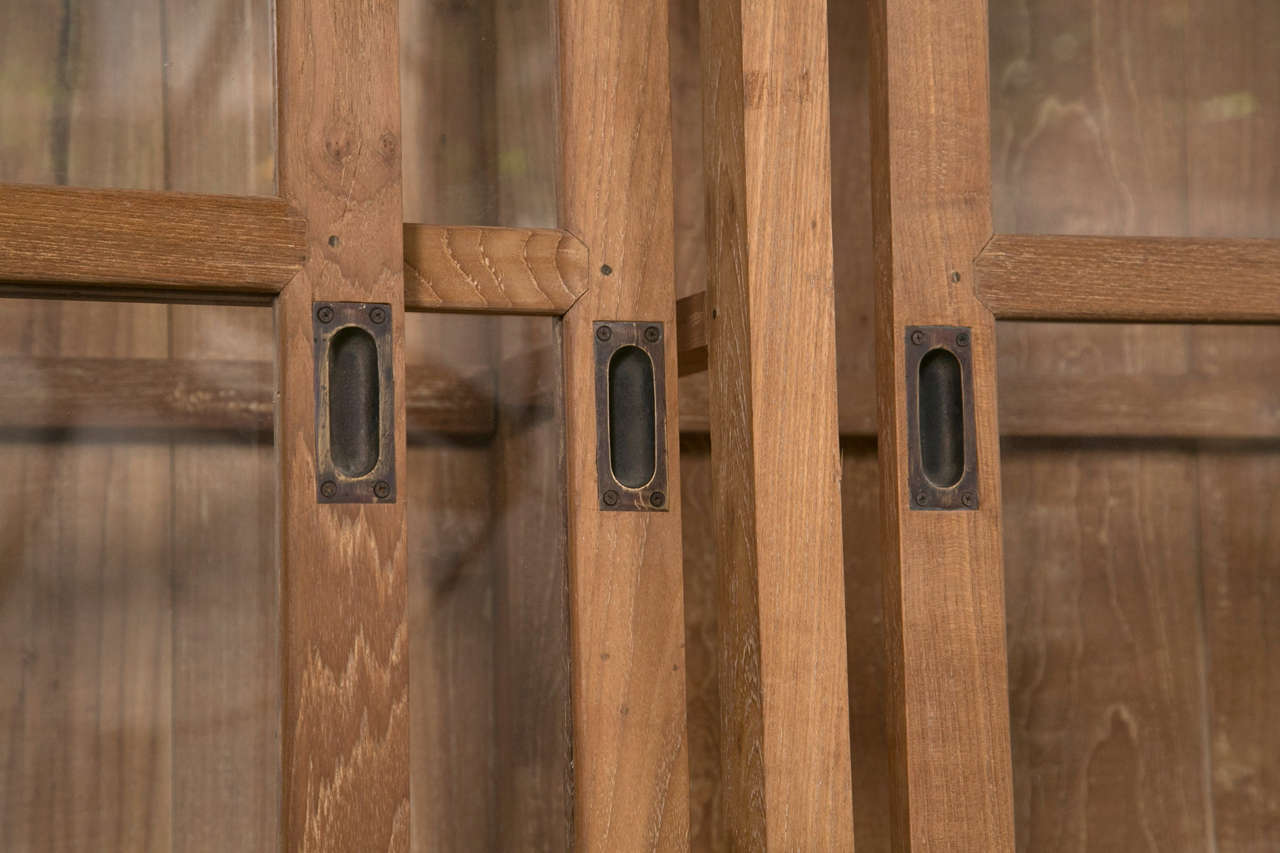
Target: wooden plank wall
column 1140, row 578
column 140, row 686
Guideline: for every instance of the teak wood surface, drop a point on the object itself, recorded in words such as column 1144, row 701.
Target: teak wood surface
column 948, row 717
column 1138, row 279
column 345, row 632
column 786, row 776
column 224, row 247
column 499, row 270
column 631, row 773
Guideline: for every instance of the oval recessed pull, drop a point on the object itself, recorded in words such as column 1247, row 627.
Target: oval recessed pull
column 632, row 422
column 941, row 412
column 354, row 401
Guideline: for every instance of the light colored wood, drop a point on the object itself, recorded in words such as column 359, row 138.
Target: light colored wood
column 499, row 270
column 948, row 723
column 206, row 394
column 786, row 778
column 1147, row 279
column 147, row 241
column 345, row 734
column 631, row 781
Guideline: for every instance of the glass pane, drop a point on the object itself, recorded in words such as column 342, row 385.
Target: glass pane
column 1136, row 117
column 139, row 649
column 172, row 95
column 488, row 586
column 478, row 94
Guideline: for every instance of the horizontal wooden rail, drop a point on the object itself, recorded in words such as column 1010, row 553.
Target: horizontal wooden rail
column 1226, row 406
column 64, row 242
column 158, row 393
column 495, row 270
column 118, row 393
column 1140, row 279
column 691, row 333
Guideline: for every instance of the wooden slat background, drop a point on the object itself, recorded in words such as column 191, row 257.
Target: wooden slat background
column 1141, row 578
column 139, row 685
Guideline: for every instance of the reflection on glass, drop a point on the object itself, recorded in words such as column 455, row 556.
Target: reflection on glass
column 139, row 664
column 140, row 95
column 489, row 646
column 1140, row 550
column 478, row 95
column 1139, row 118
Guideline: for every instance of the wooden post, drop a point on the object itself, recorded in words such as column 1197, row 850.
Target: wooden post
column 944, row 588
column 774, row 442
column 626, row 579
column 346, row 676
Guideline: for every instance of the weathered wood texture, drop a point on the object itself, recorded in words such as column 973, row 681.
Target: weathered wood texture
column 1108, row 279
column 169, row 242
column 1121, row 121
column 149, row 719
column 630, row 768
column 498, row 270
column 207, row 394
column 948, row 719
column 346, row 646
column 774, row 442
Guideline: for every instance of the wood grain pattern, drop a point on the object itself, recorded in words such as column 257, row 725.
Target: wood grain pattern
column 344, row 584
column 500, row 270
column 691, row 333
column 631, row 781
column 1105, row 658
column 206, row 394
column 786, row 779
column 1167, row 279
column 168, row 242
column 951, row 785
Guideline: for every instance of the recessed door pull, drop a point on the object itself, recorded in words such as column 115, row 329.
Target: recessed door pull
column 942, row 464
column 355, row 403
column 631, row 448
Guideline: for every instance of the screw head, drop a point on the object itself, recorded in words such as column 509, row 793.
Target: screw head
column 378, row 315
column 324, row 314
column 382, row 490
column 604, row 333
column 652, row 334
column 328, row 488
column 605, row 269
column 657, row 499
column 921, row 499
column 917, row 337
column 955, row 276
column 334, row 242
column 962, row 339
column 969, row 499
column 610, row 498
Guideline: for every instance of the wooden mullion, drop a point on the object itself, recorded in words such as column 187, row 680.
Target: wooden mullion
column 62, row 241
column 345, row 730
column 1140, row 279
column 948, row 720
column 631, row 778
column 784, row 728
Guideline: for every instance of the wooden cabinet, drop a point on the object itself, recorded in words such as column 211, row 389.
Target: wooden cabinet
column 214, row 638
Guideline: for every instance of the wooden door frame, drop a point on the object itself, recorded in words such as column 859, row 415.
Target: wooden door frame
column 344, row 627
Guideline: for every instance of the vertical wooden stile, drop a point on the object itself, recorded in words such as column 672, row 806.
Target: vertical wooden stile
column 948, row 721
column 631, row 780
column 774, row 442
column 345, row 639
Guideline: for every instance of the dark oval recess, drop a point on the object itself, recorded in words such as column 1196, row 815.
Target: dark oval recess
column 353, row 402
column 632, row 419
column 941, row 418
